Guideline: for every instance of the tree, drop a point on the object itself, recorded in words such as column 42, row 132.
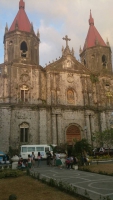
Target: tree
column 81, row 146
column 61, row 148
column 104, row 138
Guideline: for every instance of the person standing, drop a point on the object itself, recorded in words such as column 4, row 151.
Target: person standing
column 29, row 162
column 39, row 157
column 54, row 159
column 49, row 157
column 33, row 159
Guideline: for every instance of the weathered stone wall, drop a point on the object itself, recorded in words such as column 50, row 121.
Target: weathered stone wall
column 93, row 58
column 5, row 116
column 24, row 115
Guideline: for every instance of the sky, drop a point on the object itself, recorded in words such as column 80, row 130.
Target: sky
column 56, row 18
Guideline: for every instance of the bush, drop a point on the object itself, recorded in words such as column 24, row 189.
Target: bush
column 6, row 173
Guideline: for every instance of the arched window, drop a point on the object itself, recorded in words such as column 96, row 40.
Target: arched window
column 70, row 96
column 11, row 42
column 24, row 128
column 23, row 48
column 24, row 93
column 84, row 62
column 104, row 60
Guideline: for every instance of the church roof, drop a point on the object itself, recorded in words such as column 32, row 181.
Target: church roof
column 21, row 20
column 93, row 37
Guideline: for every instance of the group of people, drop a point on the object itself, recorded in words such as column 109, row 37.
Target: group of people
column 30, row 161
column 52, row 160
column 55, row 160
column 71, row 161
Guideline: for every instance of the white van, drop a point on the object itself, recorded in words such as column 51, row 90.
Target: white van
column 28, row 149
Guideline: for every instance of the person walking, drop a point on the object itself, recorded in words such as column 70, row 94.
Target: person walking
column 58, row 161
column 39, row 157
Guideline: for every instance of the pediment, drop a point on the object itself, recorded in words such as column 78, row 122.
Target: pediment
column 68, row 63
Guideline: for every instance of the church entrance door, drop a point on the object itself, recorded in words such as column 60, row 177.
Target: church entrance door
column 73, row 132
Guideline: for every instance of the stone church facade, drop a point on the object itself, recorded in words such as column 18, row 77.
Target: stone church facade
column 65, row 100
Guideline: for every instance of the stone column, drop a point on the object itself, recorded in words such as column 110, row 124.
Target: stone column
column 59, row 134
column 88, row 133
column 103, row 121
column 43, row 126
column 54, row 136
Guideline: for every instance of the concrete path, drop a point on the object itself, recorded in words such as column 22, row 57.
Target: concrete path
column 88, row 184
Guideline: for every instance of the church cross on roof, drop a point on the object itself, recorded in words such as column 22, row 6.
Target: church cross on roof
column 66, row 39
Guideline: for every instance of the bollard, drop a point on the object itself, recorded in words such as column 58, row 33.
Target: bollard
column 12, row 197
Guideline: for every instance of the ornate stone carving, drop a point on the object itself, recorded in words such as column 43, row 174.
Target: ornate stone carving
column 24, row 77
column 70, row 78
column 70, row 96
column 68, row 63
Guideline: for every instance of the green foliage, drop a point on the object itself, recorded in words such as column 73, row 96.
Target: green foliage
column 81, row 146
column 7, row 173
column 61, row 148
column 104, row 138
column 52, row 182
column 93, row 78
column 28, row 171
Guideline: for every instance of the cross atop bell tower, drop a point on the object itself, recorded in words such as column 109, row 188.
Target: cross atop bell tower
column 66, row 39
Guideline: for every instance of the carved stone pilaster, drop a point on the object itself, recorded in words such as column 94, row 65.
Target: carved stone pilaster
column 54, row 138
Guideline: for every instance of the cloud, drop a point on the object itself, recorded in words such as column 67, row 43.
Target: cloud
column 57, row 18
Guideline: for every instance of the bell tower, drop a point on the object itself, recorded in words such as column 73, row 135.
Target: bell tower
column 21, row 44
column 96, row 54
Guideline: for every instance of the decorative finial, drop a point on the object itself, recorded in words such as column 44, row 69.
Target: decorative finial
column 32, row 30
column 107, row 42
column 72, row 51
column 21, row 4
column 16, row 25
column 62, row 48
column 91, row 20
column 80, row 50
column 38, row 34
column 66, row 39
column 6, row 28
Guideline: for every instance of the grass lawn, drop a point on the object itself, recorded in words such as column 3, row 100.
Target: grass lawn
column 27, row 188
column 106, row 167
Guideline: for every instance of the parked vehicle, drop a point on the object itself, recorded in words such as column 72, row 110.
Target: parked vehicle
column 2, row 157
column 28, row 149
column 102, row 151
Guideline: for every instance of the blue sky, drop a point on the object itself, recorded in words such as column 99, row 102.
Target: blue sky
column 57, row 18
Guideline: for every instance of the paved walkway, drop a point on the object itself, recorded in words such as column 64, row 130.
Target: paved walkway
column 95, row 185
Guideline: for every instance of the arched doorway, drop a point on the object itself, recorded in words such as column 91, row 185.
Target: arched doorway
column 73, row 132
